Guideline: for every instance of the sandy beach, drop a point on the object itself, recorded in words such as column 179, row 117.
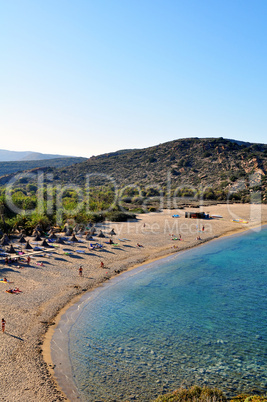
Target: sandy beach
column 50, row 283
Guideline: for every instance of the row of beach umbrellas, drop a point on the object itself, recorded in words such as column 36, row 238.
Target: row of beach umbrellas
column 5, row 241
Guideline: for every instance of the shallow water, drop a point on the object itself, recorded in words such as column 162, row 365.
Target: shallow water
column 195, row 318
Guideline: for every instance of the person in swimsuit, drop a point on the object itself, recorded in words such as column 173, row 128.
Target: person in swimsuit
column 3, row 325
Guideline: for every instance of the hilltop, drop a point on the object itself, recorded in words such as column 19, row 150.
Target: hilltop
column 217, row 163
column 212, row 165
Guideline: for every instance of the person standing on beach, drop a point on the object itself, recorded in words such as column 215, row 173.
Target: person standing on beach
column 3, row 325
column 81, row 271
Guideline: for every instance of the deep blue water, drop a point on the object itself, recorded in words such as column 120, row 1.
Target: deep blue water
column 199, row 317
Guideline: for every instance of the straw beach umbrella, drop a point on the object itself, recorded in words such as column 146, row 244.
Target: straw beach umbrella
column 28, row 246
column 52, row 236
column 44, row 244
column 5, row 240
column 37, row 238
column 59, row 241
column 74, row 238
column 88, row 236
column 11, row 250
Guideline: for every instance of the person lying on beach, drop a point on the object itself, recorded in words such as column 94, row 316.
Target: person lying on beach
column 5, row 280
column 139, row 245
column 16, row 290
column 95, row 246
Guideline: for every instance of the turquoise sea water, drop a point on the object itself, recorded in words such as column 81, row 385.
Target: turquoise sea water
column 199, row 317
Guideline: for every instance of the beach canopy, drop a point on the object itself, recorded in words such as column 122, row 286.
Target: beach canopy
column 74, row 238
column 93, row 230
column 44, row 244
column 59, row 241
column 11, row 250
column 66, row 228
column 68, row 232
column 52, row 236
column 5, row 240
column 112, row 232
column 28, row 246
column 37, row 238
column 101, row 234
column 22, row 239
column 88, row 236
column 76, row 229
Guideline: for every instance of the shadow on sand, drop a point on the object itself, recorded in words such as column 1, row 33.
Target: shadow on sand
column 14, row 336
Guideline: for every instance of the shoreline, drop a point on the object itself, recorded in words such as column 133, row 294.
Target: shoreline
column 48, row 291
column 49, row 334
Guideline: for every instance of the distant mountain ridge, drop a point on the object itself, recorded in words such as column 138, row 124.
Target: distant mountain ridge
column 10, row 168
column 10, row 156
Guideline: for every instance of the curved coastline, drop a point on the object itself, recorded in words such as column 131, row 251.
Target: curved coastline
column 163, row 254
column 48, row 288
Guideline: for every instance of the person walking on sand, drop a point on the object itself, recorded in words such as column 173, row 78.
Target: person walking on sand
column 81, row 271
column 101, row 264
column 3, row 325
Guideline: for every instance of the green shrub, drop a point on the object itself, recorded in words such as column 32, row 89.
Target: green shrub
column 249, row 398
column 119, row 216
column 193, row 394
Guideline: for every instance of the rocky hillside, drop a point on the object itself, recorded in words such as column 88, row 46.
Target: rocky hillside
column 215, row 163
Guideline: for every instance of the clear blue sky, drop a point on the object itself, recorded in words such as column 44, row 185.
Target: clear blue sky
column 85, row 77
